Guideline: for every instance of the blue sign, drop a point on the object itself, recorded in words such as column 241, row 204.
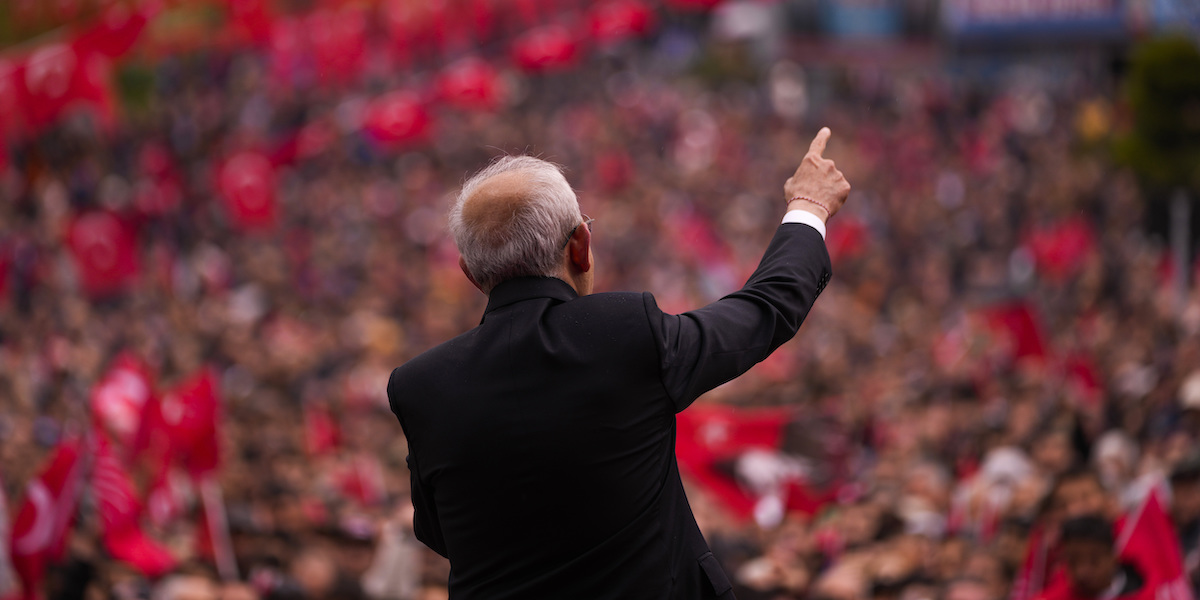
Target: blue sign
column 862, row 18
column 1025, row 19
column 1176, row 14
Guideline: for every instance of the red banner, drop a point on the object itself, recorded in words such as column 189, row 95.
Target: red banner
column 39, row 533
column 618, row 20
column 545, row 49
column 711, row 438
column 120, row 512
column 190, row 412
column 1059, row 250
column 398, row 118
column 1148, row 541
column 105, row 252
column 118, row 399
column 471, row 84
column 247, row 184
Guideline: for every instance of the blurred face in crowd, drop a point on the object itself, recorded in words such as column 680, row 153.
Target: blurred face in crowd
column 988, row 569
column 1185, row 501
column 1010, row 545
column 967, row 589
column 1081, row 496
column 1052, row 451
column 1091, row 566
column 188, row 587
column 238, row 591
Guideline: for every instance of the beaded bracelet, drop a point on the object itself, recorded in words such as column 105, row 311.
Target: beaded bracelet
column 828, row 213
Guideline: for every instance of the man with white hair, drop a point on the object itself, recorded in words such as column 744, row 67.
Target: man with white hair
column 541, row 443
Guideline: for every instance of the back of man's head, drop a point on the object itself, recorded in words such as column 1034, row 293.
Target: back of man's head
column 512, row 219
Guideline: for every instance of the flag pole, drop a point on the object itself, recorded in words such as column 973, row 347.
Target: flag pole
column 218, row 528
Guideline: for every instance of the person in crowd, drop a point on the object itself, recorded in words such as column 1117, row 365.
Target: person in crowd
column 1094, row 572
column 567, row 415
column 1185, row 513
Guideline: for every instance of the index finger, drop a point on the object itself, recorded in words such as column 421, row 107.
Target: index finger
column 818, row 144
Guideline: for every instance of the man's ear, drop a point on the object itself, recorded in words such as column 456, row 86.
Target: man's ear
column 579, row 249
column 462, row 264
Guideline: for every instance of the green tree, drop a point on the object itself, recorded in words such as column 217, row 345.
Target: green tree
column 1163, row 92
column 1163, row 144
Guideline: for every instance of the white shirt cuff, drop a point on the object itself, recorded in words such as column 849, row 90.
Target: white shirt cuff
column 803, row 216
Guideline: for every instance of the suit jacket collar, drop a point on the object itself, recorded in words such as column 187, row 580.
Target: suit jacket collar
column 528, row 288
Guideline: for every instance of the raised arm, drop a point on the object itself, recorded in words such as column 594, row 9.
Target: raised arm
column 704, row 348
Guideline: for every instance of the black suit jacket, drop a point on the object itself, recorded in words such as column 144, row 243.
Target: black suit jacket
column 542, row 442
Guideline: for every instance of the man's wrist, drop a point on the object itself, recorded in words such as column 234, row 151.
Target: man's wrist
column 812, row 205
column 806, row 217
column 809, row 207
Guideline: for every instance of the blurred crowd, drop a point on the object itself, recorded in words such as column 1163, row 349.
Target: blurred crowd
column 965, row 432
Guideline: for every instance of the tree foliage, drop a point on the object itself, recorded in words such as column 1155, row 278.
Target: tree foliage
column 1163, row 93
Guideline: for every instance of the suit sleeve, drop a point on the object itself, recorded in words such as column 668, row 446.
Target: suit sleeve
column 426, row 525
column 704, row 348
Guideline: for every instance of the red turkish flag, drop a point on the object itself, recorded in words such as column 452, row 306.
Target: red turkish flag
column 618, row 20
column 154, row 446
column 1060, row 249
column 339, row 43
column 1019, row 324
column 472, row 84
column 167, row 496
column 118, row 399
column 105, row 253
column 398, row 117
column 47, row 77
column 247, row 183
column 39, row 532
column 1148, row 542
column 120, row 513
column 546, row 49
column 191, row 411
column 707, row 435
column 60, row 77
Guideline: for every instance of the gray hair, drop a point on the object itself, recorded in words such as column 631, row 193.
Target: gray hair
column 530, row 242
